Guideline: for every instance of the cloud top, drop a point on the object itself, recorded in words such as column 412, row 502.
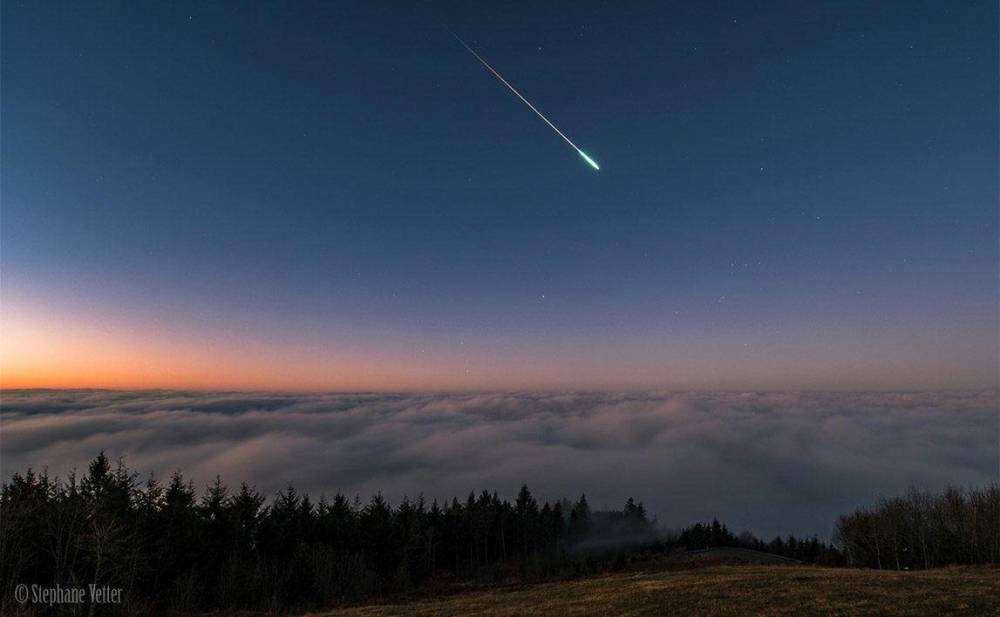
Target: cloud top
column 769, row 462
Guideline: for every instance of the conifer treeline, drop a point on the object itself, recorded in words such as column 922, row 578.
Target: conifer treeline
column 809, row 550
column 924, row 530
column 168, row 547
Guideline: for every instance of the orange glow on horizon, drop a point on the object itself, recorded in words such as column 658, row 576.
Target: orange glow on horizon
column 109, row 348
column 58, row 353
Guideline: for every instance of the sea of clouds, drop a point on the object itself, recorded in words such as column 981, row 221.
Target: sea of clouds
column 767, row 462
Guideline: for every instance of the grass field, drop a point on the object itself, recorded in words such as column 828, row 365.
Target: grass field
column 726, row 590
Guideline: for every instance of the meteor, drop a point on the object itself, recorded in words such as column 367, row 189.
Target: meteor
column 583, row 154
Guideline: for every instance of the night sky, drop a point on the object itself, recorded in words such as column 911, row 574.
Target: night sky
column 338, row 196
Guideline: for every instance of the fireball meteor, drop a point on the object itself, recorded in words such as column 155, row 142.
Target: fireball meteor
column 583, row 154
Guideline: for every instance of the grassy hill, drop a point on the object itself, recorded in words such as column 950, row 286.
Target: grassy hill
column 726, row 590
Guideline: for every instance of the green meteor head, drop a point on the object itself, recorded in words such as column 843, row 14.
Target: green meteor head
column 589, row 160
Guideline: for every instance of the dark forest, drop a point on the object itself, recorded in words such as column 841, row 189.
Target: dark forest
column 169, row 547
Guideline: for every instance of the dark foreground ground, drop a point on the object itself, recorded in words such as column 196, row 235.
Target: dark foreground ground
column 726, row 590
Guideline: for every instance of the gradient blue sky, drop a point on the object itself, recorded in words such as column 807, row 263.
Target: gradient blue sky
column 337, row 195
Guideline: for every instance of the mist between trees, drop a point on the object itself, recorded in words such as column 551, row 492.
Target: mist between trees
column 168, row 548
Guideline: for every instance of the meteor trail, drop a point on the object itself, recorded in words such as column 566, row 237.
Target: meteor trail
column 589, row 160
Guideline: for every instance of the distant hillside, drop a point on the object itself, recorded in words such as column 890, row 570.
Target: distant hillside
column 729, row 555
